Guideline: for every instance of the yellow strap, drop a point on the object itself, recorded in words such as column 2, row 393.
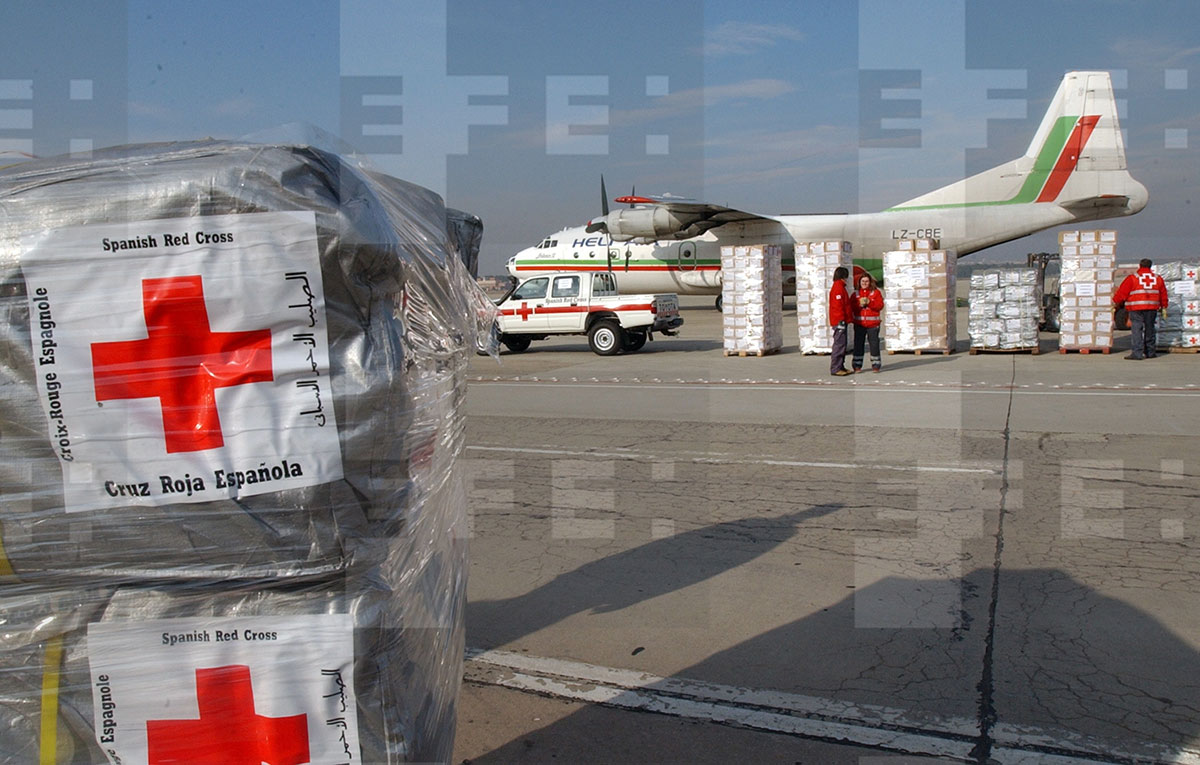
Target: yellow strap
column 50, row 678
column 5, row 567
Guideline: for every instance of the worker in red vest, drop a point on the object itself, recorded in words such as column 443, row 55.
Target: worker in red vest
column 1144, row 294
column 839, row 318
column 865, row 305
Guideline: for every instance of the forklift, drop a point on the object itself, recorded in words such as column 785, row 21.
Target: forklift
column 1048, row 287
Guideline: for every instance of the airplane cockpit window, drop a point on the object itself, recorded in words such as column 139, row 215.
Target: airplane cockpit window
column 565, row 287
column 534, row 289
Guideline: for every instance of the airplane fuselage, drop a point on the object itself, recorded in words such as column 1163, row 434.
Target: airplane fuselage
column 693, row 266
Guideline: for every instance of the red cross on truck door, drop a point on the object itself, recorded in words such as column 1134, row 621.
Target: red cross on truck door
column 181, row 362
column 229, row 731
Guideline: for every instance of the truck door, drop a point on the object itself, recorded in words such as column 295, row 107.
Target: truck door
column 566, row 307
column 524, row 309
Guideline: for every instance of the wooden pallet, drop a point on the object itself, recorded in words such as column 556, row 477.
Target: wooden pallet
column 1085, row 351
column 1033, row 349
column 1177, row 349
column 919, row 351
column 744, row 354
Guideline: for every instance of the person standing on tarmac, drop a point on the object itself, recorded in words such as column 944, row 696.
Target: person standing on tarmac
column 1144, row 294
column 865, row 304
column 839, row 317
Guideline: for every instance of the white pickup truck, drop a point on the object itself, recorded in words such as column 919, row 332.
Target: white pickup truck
column 583, row 303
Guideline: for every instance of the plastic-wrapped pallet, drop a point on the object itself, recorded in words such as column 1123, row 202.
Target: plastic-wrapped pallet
column 230, row 388
column 1004, row 308
column 919, row 302
column 815, row 264
column 1088, row 259
column 1181, row 327
column 752, row 298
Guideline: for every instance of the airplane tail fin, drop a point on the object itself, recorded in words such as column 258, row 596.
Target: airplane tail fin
column 1076, row 160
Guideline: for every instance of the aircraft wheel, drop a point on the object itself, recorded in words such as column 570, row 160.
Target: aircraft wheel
column 635, row 339
column 606, row 337
column 516, row 343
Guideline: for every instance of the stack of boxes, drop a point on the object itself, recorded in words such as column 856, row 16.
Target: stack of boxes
column 815, row 264
column 919, row 281
column 1005, row 307
column 752, row 298
column 1086, row 289
column 1181, row 328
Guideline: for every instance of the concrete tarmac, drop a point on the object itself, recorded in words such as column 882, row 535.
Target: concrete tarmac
column 679, row 556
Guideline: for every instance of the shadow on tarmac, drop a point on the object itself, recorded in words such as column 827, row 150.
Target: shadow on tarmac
column 627, row 578
column 1089, row 672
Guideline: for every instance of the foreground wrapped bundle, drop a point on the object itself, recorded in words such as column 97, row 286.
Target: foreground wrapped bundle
column 230, row 386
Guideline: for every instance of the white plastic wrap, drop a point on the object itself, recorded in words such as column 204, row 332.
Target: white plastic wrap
column 1180, row 328
column 920, row 303
column 1004, row 306
column 1086, row 286
column 230, row 407
column 816, row 263
column 751, row 294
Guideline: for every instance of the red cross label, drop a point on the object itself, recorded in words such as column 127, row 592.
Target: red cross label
column 524, row 311
column 184, row 359
column 234, row 691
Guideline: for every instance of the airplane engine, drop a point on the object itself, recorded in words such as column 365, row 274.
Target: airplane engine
column 649, row 223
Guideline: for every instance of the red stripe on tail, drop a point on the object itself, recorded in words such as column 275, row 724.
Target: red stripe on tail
column 1069, row 158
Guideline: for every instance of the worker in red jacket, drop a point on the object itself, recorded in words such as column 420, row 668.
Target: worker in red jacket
column 866, row 304
column 1144, row 295
column 839, row 317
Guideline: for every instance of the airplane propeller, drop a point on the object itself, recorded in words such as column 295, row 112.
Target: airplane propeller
column 604, row 210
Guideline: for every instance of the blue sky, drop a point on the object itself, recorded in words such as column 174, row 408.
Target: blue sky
column 513, row 109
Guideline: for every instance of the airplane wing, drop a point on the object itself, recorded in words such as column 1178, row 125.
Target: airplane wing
column 654, row 218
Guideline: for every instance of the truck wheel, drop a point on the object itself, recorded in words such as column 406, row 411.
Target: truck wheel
column 605, row 338
column 516, row 343
column 720, row 303
column 635, row 339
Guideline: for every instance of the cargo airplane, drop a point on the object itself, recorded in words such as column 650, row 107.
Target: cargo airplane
column 1072, row 172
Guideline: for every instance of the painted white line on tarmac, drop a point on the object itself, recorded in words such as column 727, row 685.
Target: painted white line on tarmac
column 896, row 387
column 719, row 459
column 760, row 710
column 800, row 715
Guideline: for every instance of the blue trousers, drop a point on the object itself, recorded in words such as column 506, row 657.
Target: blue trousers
column 837, row 360
column 1143, row 340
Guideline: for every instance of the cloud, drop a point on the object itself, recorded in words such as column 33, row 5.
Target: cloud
column 1153, row 53
column 681, row 104
column 741, row 38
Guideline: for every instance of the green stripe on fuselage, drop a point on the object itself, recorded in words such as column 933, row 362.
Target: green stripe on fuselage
column 1042, row 165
